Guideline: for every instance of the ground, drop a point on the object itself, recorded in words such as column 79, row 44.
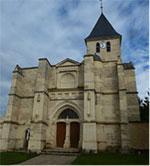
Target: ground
column 83, row 159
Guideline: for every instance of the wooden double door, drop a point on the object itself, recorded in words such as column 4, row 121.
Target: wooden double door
column 61, row 133
column 74, row 134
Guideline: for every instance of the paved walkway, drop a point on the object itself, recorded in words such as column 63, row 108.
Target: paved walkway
column 50, row 160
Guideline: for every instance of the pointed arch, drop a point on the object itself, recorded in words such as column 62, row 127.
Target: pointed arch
column 65, row 105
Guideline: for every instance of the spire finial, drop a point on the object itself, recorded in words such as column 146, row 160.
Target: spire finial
column 101, row 5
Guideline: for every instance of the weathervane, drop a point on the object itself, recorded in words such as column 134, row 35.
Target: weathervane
column 101, row 5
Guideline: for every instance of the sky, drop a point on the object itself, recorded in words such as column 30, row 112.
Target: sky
column 56, row 29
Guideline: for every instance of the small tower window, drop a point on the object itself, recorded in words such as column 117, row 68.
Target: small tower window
column 97, row 47
column 108, row 46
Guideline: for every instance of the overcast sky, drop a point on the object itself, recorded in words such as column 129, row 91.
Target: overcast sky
column 56, row 29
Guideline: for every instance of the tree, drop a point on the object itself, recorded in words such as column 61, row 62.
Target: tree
column 144, row 108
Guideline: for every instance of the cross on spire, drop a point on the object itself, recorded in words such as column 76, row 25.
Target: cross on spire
column 101, row 5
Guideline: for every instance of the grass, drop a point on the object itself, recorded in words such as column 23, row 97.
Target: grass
column 111, row 159
column 7, row 158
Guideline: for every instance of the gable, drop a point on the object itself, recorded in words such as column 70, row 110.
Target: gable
column 67, row 62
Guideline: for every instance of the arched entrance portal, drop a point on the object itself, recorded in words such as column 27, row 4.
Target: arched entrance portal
column 68, row 129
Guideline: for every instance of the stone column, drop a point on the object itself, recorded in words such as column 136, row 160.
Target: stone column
column 67, row 138
column 124, row 131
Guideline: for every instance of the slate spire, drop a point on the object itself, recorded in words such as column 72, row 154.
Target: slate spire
column 103, row 29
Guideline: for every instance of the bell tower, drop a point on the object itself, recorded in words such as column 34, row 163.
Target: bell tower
column 103, row 43
column 104, row 40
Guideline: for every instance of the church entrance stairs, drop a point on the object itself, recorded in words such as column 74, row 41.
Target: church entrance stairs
column 62, row 151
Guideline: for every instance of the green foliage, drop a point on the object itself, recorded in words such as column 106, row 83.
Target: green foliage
column 7, row 158
column 144, row 108
column 111, row 159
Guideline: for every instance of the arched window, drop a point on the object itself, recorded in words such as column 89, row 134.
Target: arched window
column 108, row 46
column 68, row 113
column 97, row 47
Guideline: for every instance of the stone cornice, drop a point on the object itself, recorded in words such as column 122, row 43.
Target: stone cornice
column 29, row 68
column 107, row 93
column 122, row 89
column 76, row 89
column 110, row 61
column 104, row 122
column 78, row 98
column 88, row 55
column 13, row 94
column 106, row 61
column 132, row 92
column 109, row 123
column 137, row 122
column 10, row 121
column 27, row 97
column 74, row 65
column 64, row 90
column 90, row 90
column 117, row 92
column 64, row 71
column 21, row 97
column 40, row 121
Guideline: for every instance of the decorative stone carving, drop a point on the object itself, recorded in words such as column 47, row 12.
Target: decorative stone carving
column 67, row 80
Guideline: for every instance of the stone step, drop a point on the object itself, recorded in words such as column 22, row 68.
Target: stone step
column 61, row 151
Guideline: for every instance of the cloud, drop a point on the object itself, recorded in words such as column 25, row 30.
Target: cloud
column 56, row 29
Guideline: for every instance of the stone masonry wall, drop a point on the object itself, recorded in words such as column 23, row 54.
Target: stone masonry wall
column 29, row 81
column 132, row 98
column 139, row 136
column 108, row 136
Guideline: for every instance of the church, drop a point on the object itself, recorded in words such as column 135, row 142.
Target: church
column 88, row 105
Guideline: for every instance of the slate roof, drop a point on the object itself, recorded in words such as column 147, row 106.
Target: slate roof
column 128, row 66
column 96, row 57
column 102, row 28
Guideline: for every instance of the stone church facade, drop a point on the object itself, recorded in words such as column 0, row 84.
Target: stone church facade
column 85, row 105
